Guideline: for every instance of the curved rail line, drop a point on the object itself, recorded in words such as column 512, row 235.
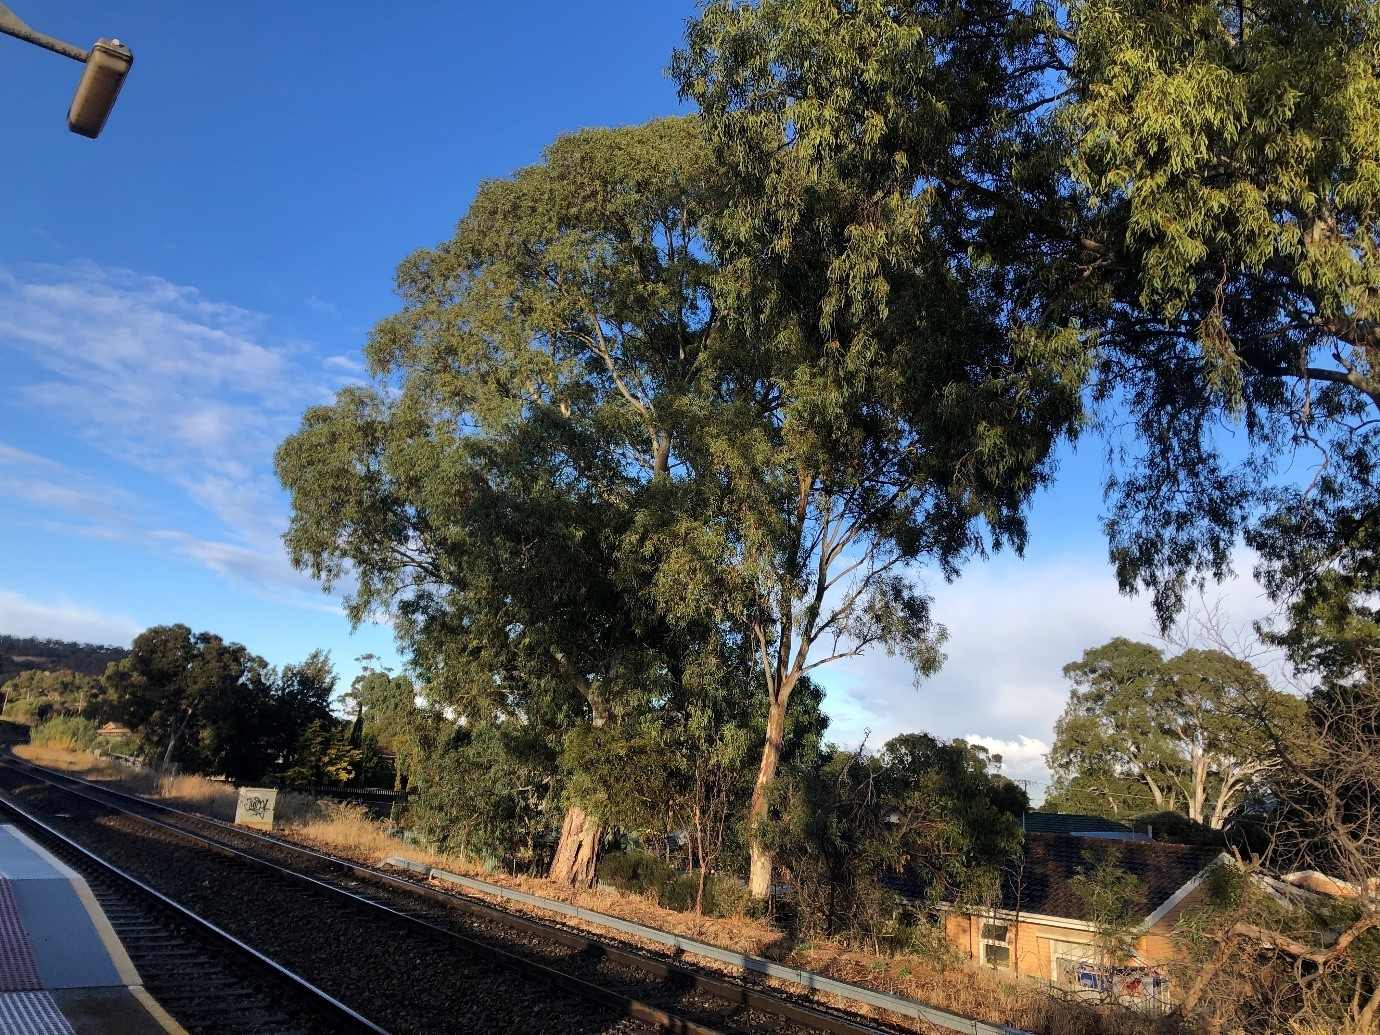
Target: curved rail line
column 739, row 997
column 227, row 999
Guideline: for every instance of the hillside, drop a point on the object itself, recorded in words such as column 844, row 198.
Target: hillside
column 18, row 654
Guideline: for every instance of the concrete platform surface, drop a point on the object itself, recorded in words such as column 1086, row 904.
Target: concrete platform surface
column 63, row 971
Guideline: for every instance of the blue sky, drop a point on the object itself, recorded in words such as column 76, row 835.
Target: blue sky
column 174, row 294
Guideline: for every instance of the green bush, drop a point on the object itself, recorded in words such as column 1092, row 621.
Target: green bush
column 725, row 896
column 64, row 732
column 119, row 746
column 637, row 872
column 643, row 874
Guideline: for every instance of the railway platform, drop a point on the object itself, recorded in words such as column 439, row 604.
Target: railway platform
column 62, row 969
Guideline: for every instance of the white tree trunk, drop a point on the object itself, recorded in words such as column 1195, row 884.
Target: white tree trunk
column 759, row 876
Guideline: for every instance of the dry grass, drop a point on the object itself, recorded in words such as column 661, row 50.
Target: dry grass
column 66, row 761
column 989, row 995
column 214, row 798
column 349, row 831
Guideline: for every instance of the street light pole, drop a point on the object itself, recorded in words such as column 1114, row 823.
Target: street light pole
column 107, row 63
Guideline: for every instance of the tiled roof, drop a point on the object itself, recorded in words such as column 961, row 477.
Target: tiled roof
column 1070, row 823
column 1041, row 885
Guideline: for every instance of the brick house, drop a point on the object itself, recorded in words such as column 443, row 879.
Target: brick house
column 1040, row 928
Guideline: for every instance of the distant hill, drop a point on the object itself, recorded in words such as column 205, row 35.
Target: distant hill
column 18, row 654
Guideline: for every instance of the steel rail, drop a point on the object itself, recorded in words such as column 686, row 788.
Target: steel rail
column 722, row 988
column 629, row 1007
column 340, row 1015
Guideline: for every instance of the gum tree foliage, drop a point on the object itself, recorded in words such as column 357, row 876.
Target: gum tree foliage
column 194, row 700
column 582, row 470
column 1227, row 156
column 39, row 695
column 922, row 810
column 683, row 772
column 1265, row 961
column 486, row 789
column 1325, row 819
column 387, row 704
column 301, row 700
column 494, row 488
column 1185, row 194
column 897, row 400
column 1113, row 903
column 1142, row 733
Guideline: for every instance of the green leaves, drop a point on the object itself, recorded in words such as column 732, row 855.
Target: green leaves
column 1226, row 156
column 1144, row 734
column 194, row 700
column 920, row 808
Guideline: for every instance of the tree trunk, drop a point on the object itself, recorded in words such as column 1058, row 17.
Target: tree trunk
column 759, row 877
column 1196, row 804
column 578, row 849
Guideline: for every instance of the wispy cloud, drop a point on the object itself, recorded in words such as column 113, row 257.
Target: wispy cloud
column 11, row 457
column 346, row 364
column 21, row 616
column 266, row 575
column 53, row 488
column 195, row 392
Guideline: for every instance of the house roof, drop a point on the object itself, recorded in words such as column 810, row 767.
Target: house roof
column 1051, row 861
column 1072, row 823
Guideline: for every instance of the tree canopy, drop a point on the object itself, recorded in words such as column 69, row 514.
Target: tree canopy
column 1226, row 154
column 1141, row 733
column 1176, row 207
column 193, row 699
column 607, row 444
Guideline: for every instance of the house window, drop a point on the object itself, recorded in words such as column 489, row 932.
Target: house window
column 1071, row 962
column 996, row 944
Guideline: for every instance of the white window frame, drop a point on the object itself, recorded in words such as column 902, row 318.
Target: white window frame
column 984, row 942
column 1073, row 951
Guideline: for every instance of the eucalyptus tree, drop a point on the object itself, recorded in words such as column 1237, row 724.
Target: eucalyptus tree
column 1192, row 734
column 195, row 700
column 1226, row 154
column 301, row 698
column 492, row 488
column 1189, row 193
column 898, row 396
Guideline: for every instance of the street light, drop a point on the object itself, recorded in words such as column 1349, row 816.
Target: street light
column 107, row 63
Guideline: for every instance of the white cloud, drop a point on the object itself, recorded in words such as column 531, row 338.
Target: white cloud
column 1021, row 759
column 161, row 378
column 1013, row 625
column 20, row 616
column 11, row 457
column 51, row 486
column 195, row 392
column 263, row 575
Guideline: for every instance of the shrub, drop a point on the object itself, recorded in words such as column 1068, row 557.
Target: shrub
column 636, row 872
column 643, row 874
column 66, row 733
column 724, row 896
column 119, row 746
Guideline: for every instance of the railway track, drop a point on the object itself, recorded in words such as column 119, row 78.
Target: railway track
column 204, row 978
column 408, row 956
